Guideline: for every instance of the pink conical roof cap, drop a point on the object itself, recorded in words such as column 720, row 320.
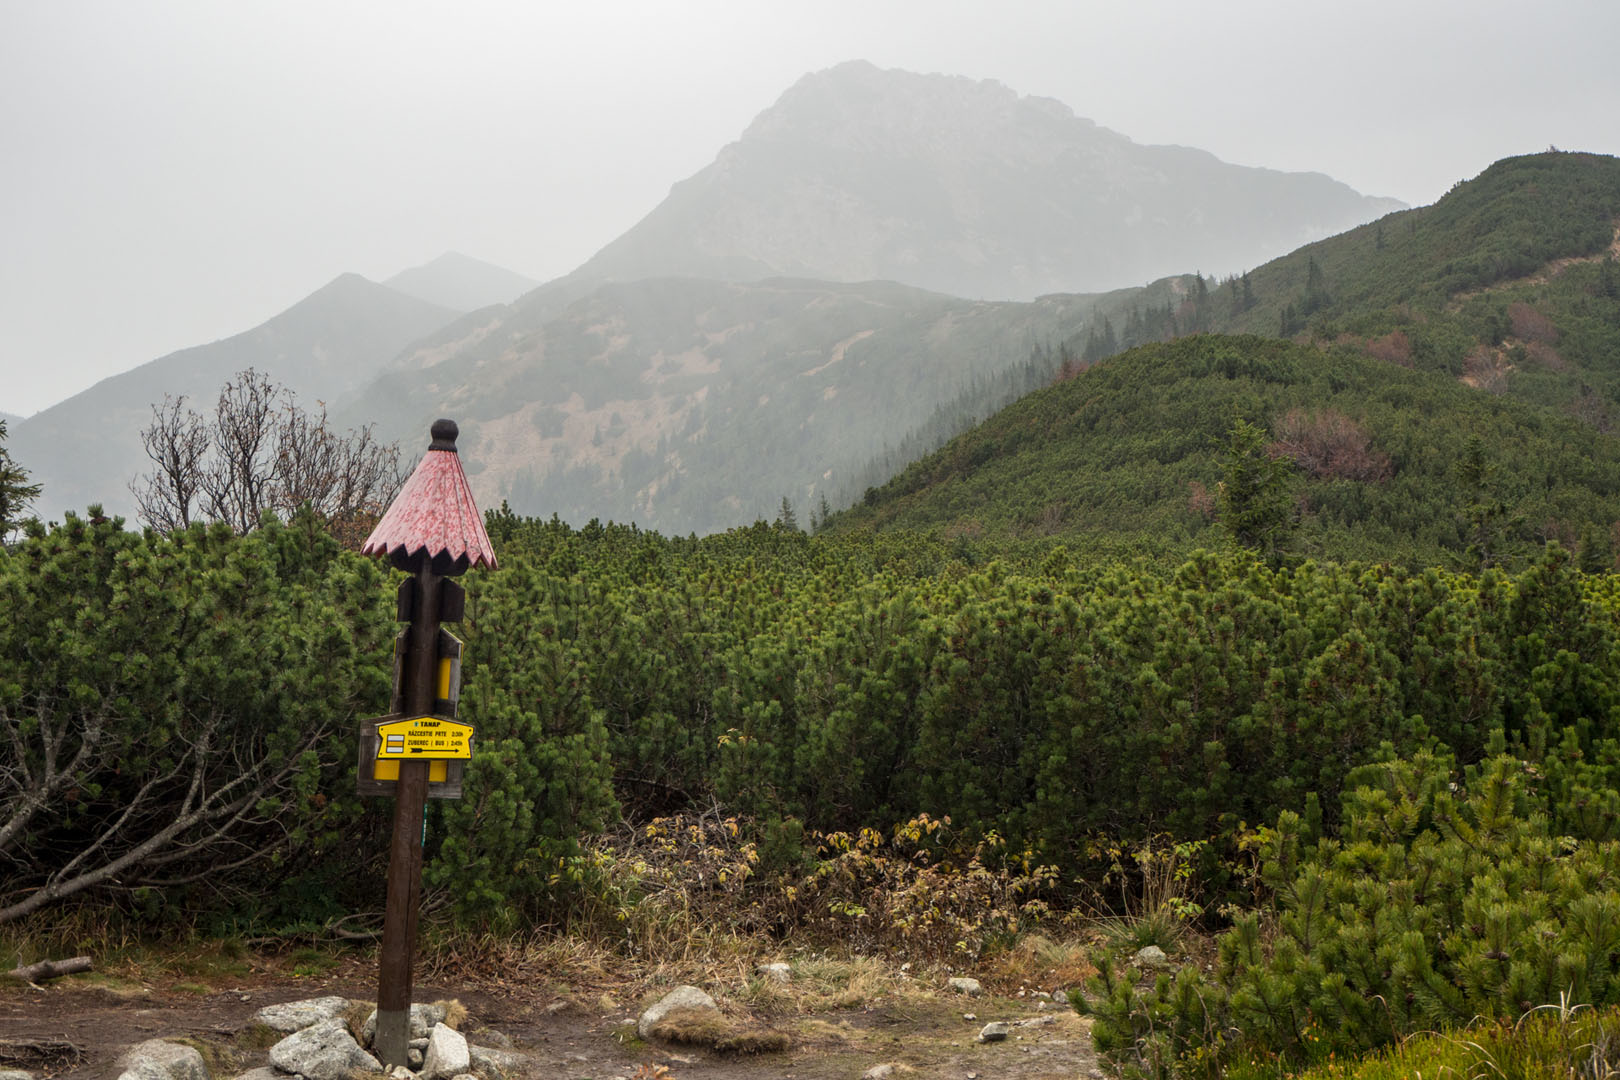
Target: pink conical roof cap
column 434, row 512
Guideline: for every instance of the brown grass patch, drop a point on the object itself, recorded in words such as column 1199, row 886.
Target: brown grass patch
column 707, row 1028
column 1037, row 962
column 455, row 1013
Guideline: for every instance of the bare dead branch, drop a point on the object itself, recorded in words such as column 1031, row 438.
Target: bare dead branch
column 45, row 970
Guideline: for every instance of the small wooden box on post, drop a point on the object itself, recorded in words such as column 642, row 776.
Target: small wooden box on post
column 432, row 531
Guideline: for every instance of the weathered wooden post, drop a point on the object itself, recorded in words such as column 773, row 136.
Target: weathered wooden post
column 432, row 531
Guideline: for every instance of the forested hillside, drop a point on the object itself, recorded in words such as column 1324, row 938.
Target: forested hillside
column 1127, row 456
column 1509, row 283
column 1455, row 366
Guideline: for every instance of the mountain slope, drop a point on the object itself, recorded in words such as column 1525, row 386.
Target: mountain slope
column 461, row 283
column 86, row 449
column 1510, row 222
column 690, row 405
column 1495, row 312
column 1510, row 283
column 965, row 188
column 1127, row 455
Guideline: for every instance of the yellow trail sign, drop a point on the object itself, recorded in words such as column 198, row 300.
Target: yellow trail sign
column 424, row 738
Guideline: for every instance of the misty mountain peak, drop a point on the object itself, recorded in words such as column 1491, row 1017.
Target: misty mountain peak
column 856, row 105
column 963, row 186
column 461, row 282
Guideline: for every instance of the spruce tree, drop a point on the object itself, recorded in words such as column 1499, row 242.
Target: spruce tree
column 15, row 490
column 1256, row 504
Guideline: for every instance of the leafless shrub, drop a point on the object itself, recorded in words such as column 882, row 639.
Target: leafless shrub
column 1593, row 409
column 1546, row 356
column 1486, row 369
column 1329, row 445
column 261, row 452
column 1393, row 348
column 1530, row 324
column 1200, row 500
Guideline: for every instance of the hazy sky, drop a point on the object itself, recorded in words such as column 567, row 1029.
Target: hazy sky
column 173, row 173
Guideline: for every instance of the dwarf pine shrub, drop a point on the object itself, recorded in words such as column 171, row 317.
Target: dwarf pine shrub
column 1444, row 898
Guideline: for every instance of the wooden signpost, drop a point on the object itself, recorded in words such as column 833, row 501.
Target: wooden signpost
column 432, row 531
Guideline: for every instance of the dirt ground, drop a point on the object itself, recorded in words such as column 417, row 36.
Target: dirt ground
column 78, row 1027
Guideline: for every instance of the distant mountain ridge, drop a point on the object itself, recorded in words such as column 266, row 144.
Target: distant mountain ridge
column 778, row 326
column 691, row 405
column 86, row 449
column 461, row 282
column 965, row 188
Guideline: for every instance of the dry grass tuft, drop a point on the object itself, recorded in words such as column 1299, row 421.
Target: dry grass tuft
column 354, row 1018
column 1038, row 962
column 707, row 1028
column 455, row 1013
column 824, row 982
column 257, row 1037
column 218, row 1060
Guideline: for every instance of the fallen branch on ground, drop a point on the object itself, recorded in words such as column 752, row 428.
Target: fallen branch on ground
column 26, row 1052
column 50, row 969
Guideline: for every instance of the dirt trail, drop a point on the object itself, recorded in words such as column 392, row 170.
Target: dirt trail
column 565, row 1039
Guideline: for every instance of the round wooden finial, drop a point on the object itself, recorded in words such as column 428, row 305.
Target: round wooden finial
column 444, row 435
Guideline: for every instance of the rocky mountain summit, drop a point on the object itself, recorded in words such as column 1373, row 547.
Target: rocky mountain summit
column 966, row 188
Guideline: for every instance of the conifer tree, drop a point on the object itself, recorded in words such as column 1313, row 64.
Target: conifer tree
column 1316, row 294
column 1255, row 505
column 1597, row 550
column 15, row 490
column 1486, row 516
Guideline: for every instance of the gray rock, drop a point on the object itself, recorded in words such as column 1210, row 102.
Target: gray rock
column 878, row 1072
column 966, row 986
column 414, row 1056
column 1152, row 956
column 16, row 1074
column 781, row 973
column 491, row 1037
column 400, row 1072
column 292, row 1016
column 158, row 1059
column 263, row 1072
column 447, row 1054
column 682, row 997
column 995, row 1031
column 496, row 1063
column 423, row 1017
column 325, row 1051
